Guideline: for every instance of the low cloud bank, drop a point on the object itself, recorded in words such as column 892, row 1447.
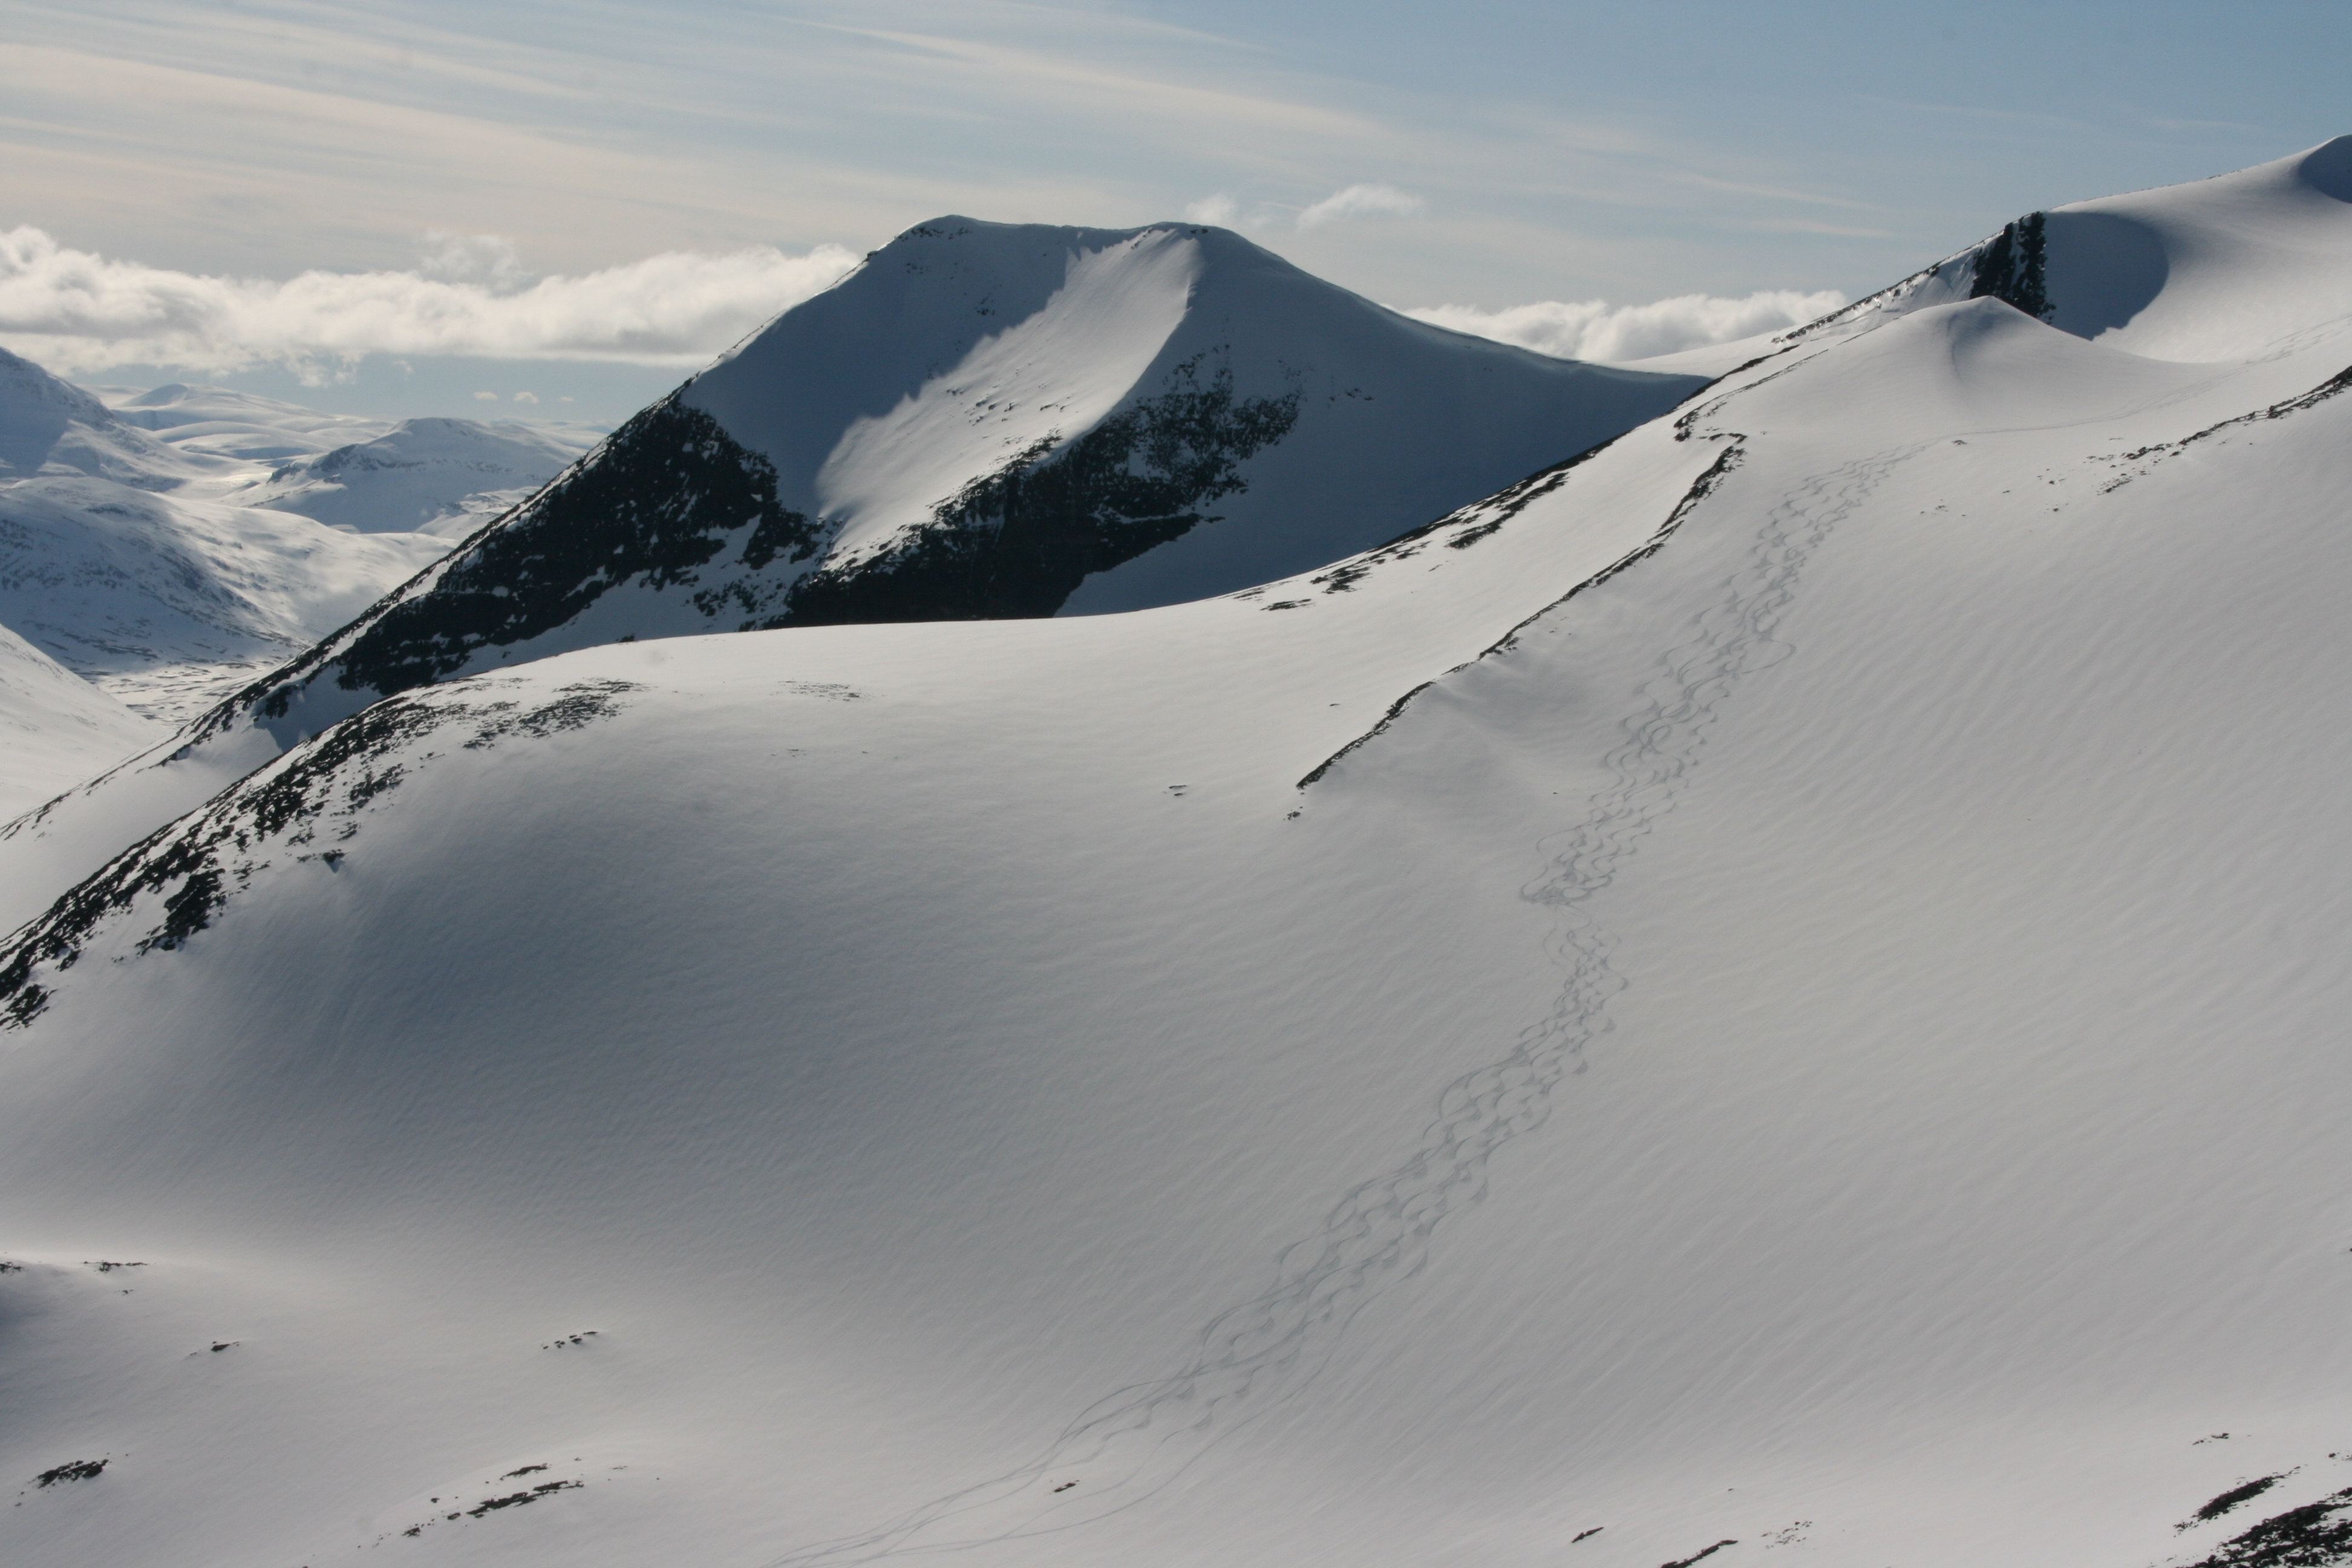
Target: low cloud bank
column 1594, row 329
column 76, row 311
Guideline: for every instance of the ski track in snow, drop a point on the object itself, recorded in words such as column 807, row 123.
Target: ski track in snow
column 1259, row 1355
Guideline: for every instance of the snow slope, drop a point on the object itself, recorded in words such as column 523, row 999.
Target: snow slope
column 56, row 729
column 985, row 420
column 1772, row 995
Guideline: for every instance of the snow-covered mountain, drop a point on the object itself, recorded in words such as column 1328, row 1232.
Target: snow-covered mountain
column 1770, row 994
column 984, row 420
column 50, row 427
column 444, row 476
column 2161, row 274
column 996, row 420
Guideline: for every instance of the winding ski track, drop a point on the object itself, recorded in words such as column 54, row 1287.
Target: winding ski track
column 1263, row 1352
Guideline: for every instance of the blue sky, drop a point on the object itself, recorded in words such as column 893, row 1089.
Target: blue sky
column 1514, row 151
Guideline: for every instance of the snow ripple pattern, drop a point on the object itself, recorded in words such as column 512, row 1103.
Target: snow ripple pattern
column 1255, row 1356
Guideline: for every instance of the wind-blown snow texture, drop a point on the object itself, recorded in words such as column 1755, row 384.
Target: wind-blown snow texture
column 1772, row 994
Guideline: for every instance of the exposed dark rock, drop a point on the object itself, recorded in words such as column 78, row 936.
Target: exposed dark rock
column 2234, row 1497
column 656, row 502
column 2013, row 267
column 197, row 864
column 78, row 1470
column 2316, row 1535
column 515, row 1500
column 1018, row 541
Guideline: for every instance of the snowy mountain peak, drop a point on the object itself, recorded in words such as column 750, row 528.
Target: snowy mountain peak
column 987, row 421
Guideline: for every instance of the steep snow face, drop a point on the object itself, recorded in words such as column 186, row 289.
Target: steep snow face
column 57, row 728
column 1773, row 990
column 444, row 476
column 2229, row 268
column 1055, row 374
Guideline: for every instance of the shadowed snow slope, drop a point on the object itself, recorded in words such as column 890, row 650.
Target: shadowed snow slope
column 1775, row 989
column 56, row 729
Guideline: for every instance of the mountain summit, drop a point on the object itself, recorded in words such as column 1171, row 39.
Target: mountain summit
column 990, row 421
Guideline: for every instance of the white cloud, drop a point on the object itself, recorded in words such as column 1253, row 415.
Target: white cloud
column 1594, row 329
column 1219, row 209
column 485, row 397
column 526, row 398
column 77, row 311
column 488, row 259
column 1360, row 201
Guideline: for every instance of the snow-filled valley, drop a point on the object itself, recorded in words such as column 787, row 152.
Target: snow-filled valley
column 1769, row 992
